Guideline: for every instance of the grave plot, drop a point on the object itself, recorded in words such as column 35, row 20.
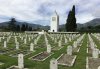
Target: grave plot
column 76, row 49
column 94, row 61
column 20, row 63
column 67, row 60
column 39, row 42
column 15, row 54
column 41, row 56
column 56, row 48
column 5, row 51
column 40, row 45
column 2, row 52
column 56, row 42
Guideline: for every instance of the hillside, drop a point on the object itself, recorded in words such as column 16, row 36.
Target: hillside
column 93, row 22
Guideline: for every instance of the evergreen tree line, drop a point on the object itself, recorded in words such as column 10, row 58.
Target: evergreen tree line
column 90, row 29
column 14, row 27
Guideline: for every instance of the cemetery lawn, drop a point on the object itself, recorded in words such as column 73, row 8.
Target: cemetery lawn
column 80, row 62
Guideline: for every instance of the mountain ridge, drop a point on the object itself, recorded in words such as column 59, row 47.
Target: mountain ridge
column 93, row 23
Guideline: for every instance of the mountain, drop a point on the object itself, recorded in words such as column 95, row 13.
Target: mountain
column 34, row 26
column 93, row 22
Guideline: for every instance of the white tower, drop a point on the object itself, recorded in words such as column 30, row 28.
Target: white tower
column 54, row 22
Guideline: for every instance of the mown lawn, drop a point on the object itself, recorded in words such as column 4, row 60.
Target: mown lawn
column 79, row 64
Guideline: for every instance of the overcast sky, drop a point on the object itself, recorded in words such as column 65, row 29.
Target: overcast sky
column 39, row 11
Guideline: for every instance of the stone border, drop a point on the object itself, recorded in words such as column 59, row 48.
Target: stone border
column 15, row 67
column 66, row 64
column 78, row 49
column 11, row 55
column 87, row 50
column 87, row 65
column 39, row 54
column 60, row 48
column 1, row 63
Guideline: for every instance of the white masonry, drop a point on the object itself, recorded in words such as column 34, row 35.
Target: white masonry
column 54, row 23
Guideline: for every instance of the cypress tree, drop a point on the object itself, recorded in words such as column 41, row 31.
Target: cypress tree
column 18, row 28
column 12, row 25
column 71, row 21
column 23, row 28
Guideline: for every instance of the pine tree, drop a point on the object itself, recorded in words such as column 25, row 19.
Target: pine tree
column 17, row 28
column 12, row 25
column 30, row 29
column 71, row 21
column 26, row 27
column 23, row 28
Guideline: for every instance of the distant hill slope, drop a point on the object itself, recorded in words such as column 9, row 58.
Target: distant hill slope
column 34, row 26
column 93, row 22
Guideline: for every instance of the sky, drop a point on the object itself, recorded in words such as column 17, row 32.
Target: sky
column 40, row 11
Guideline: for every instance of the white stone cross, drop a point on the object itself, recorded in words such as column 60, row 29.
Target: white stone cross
column 53, row 64
column 69, row 50
column 17, row 45
column 48, row 48
column 31, row 47
column 5, row 44
column 20, row 61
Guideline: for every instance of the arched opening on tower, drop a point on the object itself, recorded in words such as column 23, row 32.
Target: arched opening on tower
column 53, row 30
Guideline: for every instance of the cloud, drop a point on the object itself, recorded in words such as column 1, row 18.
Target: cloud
column 39, row 11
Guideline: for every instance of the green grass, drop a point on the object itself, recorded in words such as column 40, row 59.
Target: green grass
column 79, row 64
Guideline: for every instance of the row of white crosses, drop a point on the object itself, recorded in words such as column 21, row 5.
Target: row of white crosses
column 47, row 44
column 95, row 51
column 54, row 62
column 55, row 39
column 2, row 38
column 66, row 36
column 97, row 36
column 78, row 41
column 70, row 48
column 17, row 46
column 36, row 40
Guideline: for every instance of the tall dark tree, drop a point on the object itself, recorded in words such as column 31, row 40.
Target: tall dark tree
column 71, row 21
column 17, row 27
column 23, row 28
column 12, row 24
column 30, row 29
column 26, row 27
